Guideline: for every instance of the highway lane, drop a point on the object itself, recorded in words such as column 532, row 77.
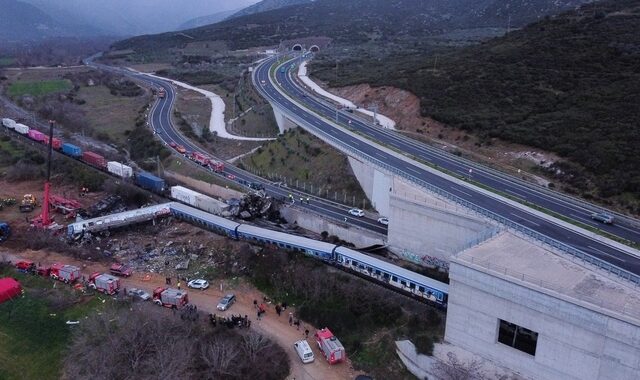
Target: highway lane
column 499, row 181
column 541, row 225
column 160, row 120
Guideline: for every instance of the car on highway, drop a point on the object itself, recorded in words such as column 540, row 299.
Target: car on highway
column 602, row 217
column 180, row 149
column 198, row 284
column 263, row 81
column 226, row 302
column 138, row 294
column 384, row 221
column 173, row 145
column 231, row 176
column 356, row 212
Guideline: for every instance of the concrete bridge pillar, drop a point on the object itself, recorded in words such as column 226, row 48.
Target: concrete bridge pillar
column 376, row 184
column 283, row 122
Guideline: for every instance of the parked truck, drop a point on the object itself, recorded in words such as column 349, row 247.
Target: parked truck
column 330, row 346
column 150, row 182
column 170, row 297
column 104, row 283
column 119, row 269
column 94, row 159
column 71, row 150
column 121, row 170
column 65, row 273
column 199, row 158
column 161, row 92
column 216, row 166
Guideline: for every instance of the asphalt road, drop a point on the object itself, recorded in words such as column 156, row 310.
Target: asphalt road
column 160, row 121
column 541, row 225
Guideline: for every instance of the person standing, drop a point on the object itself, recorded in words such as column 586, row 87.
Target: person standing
column 290, row 319
column 178, row 284
column 306, row 333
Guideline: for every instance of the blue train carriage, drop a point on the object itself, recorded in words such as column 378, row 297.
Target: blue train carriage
column 150, row 182
column 205, row 220
column 311, row 247
column 72, row 150
column 418, row 285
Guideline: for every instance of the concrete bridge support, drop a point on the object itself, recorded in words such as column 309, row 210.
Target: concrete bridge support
column 375, row 184
column 283, row 122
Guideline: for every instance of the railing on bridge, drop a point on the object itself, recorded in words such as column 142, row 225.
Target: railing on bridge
column 511, row 225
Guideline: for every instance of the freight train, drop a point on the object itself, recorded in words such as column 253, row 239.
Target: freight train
column 142, row 179
column 385, row 273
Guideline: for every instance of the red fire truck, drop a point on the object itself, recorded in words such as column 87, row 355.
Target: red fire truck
column 330, row 346
column 65, row 273
column 104, row 283
column 170, row 297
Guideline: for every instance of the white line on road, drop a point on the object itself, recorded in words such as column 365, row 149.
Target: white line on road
column 530, row 221
column 458, row 190
column 607, row 254
column 514, row 193
column 412, row 170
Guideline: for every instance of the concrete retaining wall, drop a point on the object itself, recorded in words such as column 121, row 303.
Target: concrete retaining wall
column 317, row 224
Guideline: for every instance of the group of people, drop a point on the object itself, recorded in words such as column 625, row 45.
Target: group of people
column 230, row 322
column 190, row 313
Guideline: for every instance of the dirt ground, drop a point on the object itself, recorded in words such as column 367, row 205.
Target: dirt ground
column 271, row 325
column 147, row 248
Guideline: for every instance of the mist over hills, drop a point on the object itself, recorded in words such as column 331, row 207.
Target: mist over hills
column 267, row 5
column 37, row 19
column 359, row 21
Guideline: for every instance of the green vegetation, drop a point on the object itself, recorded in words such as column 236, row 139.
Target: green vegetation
column 566, row 84
column 7, row 61
column 38, row 88
column 366, row 319
column 33, row 329
column 299, row 157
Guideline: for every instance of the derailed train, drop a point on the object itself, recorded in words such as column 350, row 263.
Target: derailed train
column 385, row 273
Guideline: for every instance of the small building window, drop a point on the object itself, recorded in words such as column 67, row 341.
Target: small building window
column 518, row 337
column 394, row 278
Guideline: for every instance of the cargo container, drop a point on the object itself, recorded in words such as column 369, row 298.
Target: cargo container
column 170, row 297
column 56, row 143
column 94, row 159
column 36, row 135
column 121, row 170
column 21, row 128
column 150, row 182
column 71, row 150
column 201, row 201
column 104, row 283
column 8, row 123
column 65, row 273
column 330, row 346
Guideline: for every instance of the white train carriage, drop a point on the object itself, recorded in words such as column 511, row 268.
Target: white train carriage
column 205, row 220
column 308, row 246
column 393, row 275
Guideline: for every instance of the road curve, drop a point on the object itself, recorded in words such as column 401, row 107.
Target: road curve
column 607, row 253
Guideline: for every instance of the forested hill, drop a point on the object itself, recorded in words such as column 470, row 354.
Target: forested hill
column 357, row 21
column 569, row 84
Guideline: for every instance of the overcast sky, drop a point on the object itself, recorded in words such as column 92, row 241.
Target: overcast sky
column 136, row 16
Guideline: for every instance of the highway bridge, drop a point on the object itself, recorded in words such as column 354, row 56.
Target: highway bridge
column 371, row 144
column 160, row 120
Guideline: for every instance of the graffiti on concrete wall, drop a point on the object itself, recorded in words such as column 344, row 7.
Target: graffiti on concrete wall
column 430, row 261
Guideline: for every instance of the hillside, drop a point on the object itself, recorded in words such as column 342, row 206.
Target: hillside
column 20, row 21
column 205, row 20
column 267, row 5
column 569, row 84
column 353, row 22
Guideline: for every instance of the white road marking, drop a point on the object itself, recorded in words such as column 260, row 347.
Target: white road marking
column 530, row 221
column 514, row 193
column 607, row 254
column 463, row 192
column 412, row 170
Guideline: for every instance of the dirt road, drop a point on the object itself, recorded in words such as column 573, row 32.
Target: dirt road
column 277, row 328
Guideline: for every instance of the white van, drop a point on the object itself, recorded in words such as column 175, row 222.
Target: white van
column 304, row 351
